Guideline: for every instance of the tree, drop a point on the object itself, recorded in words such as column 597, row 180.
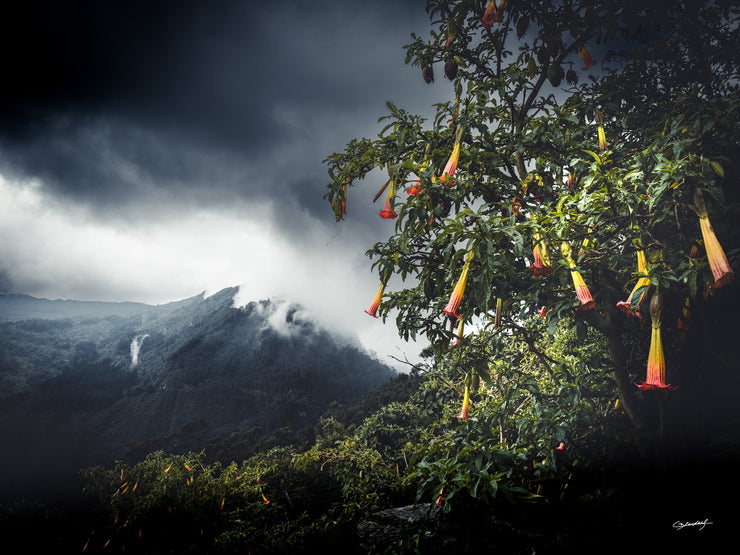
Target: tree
column 600, row 193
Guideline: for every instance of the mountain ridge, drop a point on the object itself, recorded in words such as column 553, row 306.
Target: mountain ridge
column 90, row 382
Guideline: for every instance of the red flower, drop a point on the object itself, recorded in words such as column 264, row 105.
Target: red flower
column 587, row 59
column 267, row 501
column 542, row 311
column 560, row 447
column 372, row 311
column 459, row 290
column 656, row 359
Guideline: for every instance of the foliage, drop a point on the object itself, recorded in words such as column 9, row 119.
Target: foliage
column 590, row 167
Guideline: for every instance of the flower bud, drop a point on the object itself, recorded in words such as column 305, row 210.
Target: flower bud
column 451, row 69
column 428, row 74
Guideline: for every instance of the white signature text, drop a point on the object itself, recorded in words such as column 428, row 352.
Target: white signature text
column 678, row 525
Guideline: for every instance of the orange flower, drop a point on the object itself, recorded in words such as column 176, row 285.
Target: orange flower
column 387, row 212
column 656, row 359
column 587, row 59
column 625, row 306
column 459, row 290
column 493, row 14
column 489, row 16
column 415, row 188
column 466, row 403
column 267, row 501
column 372, row 311
column 584, row 295
column 451, row 166
column 723, row 274
column 541, row 266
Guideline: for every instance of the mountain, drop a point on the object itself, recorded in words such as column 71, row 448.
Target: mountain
column 84, row 383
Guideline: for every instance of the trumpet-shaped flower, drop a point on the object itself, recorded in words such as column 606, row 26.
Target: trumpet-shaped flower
column 600, row 131
column 415, row 188
column 451, row 166
column 459, row 290
column 497, row 318
column 493, row 14
column 542, row 265
column 466, row 403
column 372, row 311
column 602, row 138
column 642, row 283
column 587, row 59
column 656, row 359
column 542, row 312
column 388, row 213
column 584, row 295
column 723, row 274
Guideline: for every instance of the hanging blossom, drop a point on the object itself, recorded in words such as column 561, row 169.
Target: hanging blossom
column 643, row 282
column 584, row 295
column 416, row 187
column 497, row 318
column 372, row 311
column 542, row 265
column 723, row 274
column 451, row 166
column 600, row 131
column 656, row 359
column 587, row 59
column 493, row 14
column 388, row 213
column 466, row 403
column 459, row 290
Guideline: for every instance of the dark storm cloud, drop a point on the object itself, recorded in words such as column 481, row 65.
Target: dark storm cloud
column 108, row 102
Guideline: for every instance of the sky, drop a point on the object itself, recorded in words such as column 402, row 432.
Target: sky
column 151, row 150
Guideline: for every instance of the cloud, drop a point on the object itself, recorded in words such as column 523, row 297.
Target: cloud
column 150, row 150
column 67, row 253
